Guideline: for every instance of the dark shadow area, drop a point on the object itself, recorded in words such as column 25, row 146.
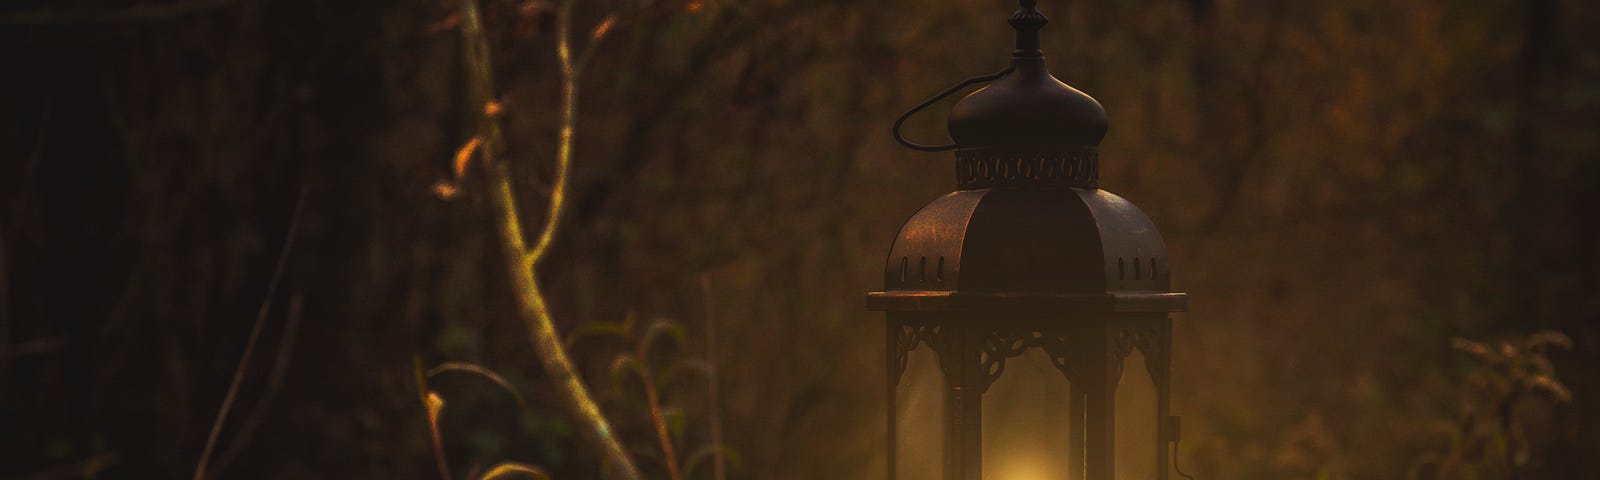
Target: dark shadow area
column 1369, row 203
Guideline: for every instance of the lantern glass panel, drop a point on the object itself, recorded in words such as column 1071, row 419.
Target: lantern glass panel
column 1136, row 418
column 919, row 422
column 1027, row 420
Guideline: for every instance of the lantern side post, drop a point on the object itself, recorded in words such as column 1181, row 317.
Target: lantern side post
column 1163, row 379
column 1075, row 449
column 965, row 402
column 1100, row 381
column 892, row 370
column 1072, row 368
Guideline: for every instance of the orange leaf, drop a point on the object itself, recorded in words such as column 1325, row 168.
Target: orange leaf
column 491, row 109
column 435, row 404
column 464, row 155
column 694, row 6
column 444, row 190
column 604, row 26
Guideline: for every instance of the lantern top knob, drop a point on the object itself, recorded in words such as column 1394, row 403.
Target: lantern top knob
column 1028, row 21
column 1028, row 107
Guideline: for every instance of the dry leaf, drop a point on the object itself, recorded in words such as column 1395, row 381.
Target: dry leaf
column 445, row 190
column 1553, row 387
column 1547, row 338
column 694, row 6
column 435, row 405
column 491, row 109
column 464, row 156
column 1476, row 349
column 604, row 26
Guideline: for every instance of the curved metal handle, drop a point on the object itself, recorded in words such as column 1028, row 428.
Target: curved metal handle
column 935, row 99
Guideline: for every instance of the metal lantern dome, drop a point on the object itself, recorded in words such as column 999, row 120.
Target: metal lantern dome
column 1028, row 253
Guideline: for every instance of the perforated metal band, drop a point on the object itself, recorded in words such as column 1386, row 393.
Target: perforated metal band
column 1027, row 167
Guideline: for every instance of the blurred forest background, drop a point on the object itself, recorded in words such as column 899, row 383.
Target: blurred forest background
column 1346, row 187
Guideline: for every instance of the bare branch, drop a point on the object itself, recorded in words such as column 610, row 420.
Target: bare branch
column 595, row 36
column 522, row 261
column 247, row 428
column 718, row 466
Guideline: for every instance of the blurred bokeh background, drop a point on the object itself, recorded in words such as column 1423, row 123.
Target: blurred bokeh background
column 1347, row 187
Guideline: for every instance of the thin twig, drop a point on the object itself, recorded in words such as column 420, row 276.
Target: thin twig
column 274, row 383
column 255, row 333
column 569, row 100
column 658, row 417
column 719, row 468
column 521, row 260
column 435, row 405
column 594, row 39
column 482, row 373
column 663, row 435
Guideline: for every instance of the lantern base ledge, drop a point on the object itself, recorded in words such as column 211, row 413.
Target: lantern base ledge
column 946, row 301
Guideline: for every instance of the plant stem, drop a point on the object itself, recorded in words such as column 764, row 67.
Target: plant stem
column 664, row 436
column 718, row 466
column 250, row 343
column 521, row 260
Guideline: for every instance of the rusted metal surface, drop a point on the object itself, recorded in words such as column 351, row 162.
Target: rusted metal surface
column 1029, row 253
column 1037, row 240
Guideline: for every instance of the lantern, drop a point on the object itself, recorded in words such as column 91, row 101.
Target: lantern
column 1020, row 303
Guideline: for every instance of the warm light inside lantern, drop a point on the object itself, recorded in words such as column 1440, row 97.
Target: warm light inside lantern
column 1026, row 470
column 1027, row 421
column 1135, row 422
column 919, row 422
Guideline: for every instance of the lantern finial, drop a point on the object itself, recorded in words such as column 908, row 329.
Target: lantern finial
column 1028, row 21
